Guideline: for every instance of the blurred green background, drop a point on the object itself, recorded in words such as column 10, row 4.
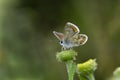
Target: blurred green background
column 28, row 47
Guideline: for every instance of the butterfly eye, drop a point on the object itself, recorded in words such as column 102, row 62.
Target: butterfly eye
column 61, row 42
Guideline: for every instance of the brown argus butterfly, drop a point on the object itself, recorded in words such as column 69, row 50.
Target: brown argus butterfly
column 71, row 37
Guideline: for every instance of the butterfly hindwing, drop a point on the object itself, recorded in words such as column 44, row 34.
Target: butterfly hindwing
column 82, row 39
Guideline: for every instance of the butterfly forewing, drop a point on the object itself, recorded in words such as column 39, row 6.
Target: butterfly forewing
column 71, row 29
column 59, row 35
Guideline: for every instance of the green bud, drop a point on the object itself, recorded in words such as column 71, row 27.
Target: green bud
column 117, row 72
column 66, row 55
column 87, row 67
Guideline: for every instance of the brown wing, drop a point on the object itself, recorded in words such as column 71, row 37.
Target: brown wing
column 59, row 35
column 82, row 39
column 71, row 29
column 79, row 39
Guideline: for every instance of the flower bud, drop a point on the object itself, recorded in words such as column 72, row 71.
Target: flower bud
column 87, row 67
column 66, row 55
column 117, row 72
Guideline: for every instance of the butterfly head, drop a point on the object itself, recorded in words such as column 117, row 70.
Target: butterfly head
column 61, row 42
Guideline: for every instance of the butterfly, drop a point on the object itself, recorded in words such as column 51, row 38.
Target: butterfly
column 71, row 38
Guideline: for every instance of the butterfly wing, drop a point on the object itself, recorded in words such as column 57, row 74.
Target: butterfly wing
column 82, row 39
column 59, row 35
column 71, row 29
column 78, row 39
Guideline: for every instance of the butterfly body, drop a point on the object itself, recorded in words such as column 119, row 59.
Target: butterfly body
column 67, row 43
column 71, row 37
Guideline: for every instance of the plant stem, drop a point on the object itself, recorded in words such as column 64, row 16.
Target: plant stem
column 91, row 76
column 86, row 77
column 71, row 67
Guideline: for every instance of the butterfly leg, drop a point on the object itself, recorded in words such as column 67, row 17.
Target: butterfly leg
column 63, row 48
